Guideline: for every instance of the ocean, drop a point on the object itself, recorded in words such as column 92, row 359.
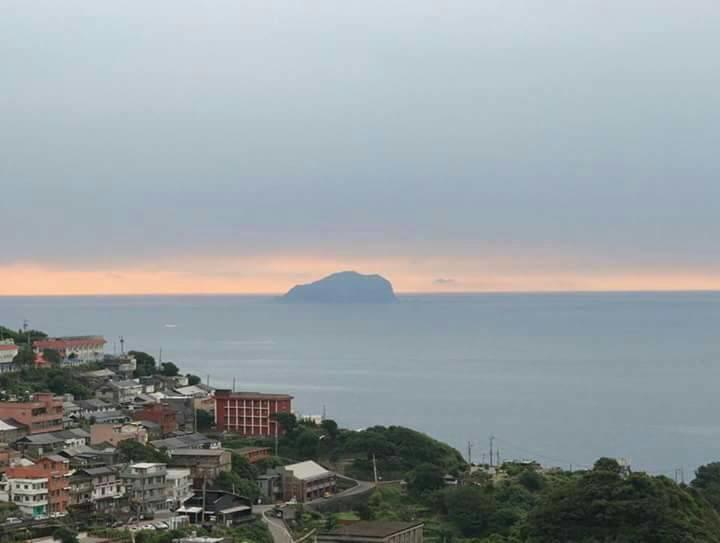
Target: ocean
column 560, row 378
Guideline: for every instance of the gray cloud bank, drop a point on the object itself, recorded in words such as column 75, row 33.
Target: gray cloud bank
column 138, row 130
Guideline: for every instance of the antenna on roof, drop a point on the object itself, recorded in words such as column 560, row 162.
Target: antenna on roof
column 122, row 345
column 160, row 357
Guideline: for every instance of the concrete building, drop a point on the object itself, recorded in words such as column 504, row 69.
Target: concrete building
column 123, row 365
column 27, row 490
column 99, row 487
column 179, row 487
column 74, row 350
column 254, row 454
column 44, row 413
column 11, row 430
column 41, row 489
column 222, row 508
column 375, row 531
column 204, row 464
column 116, row 433
column 119, row 392
column 7, row 458
column 146, row 487
column 161, row 414
column 306, row 481
column 39, row 444
column 250, row 413
column 8, row 352
column 191, row 440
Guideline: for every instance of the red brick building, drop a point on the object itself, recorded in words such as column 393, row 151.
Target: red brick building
column 44, row 413
column 162, row 414
column 250, row 413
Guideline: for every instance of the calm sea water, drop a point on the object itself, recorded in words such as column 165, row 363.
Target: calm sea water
column 563, row 378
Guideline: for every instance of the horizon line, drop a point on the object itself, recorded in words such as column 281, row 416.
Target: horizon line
column 397, row 293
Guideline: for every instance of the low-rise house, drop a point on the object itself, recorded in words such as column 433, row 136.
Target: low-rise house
column 113, row 434
column 43, row 413
column 119, row 392
column 90, row 457
column 74, row 437
column 11, row 430
column 87, row 409
column 146, row 487
column 254, row 454
column 222, row 508
column 375, row 531
column 185, row 411
column 100, row 376
column 152, row 428
column 191, row 440
column 99, row 487
column 7, row 458
column 111, row 417
column 36, row 445
column 204, row 464
column 8, row 352
column 307, row 481
column 41, row 489
column 122, row 365
column 179, row 487
column 162, row 414
column 270, row 485
column 74, row 350
column 27, row 490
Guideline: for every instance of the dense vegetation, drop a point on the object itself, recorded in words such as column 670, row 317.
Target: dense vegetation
column 603, row 505
column 397, row 451
column 29, row 379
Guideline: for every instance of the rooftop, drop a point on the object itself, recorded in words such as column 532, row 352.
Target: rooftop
column 222, row 393
column 307, row 470
column 198, row 452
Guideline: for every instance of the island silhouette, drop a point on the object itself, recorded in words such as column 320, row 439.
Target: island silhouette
column 343, row 287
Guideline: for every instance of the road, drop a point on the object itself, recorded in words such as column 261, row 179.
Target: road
column 277, row 528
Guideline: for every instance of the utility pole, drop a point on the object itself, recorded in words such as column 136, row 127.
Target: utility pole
column 233, row 384
column 375, row 475
column 492, row 439
column 122, row 345
column 470, row 453
column 497, row 463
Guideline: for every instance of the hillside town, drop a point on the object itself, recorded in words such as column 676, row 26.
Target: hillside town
column 154, row 451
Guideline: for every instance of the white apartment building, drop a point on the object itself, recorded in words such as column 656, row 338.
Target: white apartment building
column 179, row 486
column 30, row 495
column 8, row 351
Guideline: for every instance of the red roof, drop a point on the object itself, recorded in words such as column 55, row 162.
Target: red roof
column 62, row 343
column 8, row 347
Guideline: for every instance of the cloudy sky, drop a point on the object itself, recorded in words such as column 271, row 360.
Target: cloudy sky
column 235, row 146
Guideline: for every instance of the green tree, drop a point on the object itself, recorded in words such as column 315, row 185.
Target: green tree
column 470, row 509
column 426, row 478
column 707, row 482
column 331, row 427
column 52, row 356
column 307, row 444
column 287, row 421
column 603, row 505
column 205, row 420
column 65, row 535
column 145, row 363
column 132, row 451
column 168, row 369
column 193, row 379
column 25, row 357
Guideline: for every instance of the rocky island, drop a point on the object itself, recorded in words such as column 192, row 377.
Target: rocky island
column 343, row 287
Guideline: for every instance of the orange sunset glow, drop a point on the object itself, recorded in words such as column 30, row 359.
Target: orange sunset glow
column 275, row 276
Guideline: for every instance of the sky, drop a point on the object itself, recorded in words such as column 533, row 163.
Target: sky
column 235, row 146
